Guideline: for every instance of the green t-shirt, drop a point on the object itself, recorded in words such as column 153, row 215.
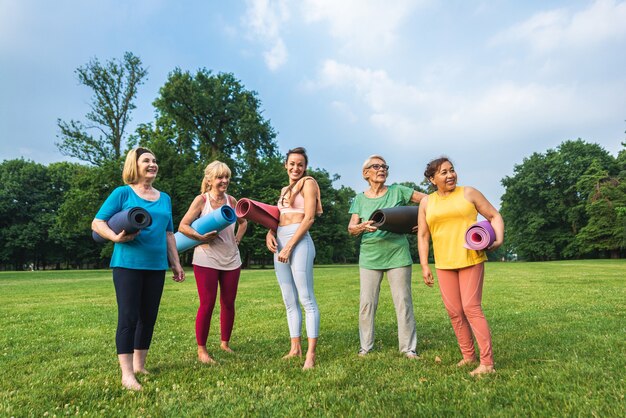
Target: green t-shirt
column 382, row 250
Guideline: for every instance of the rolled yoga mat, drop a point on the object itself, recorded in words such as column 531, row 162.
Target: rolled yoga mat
column 130, row 220
column 261, row 213
column 479, row 236
column 401, row 219
column 213, row 221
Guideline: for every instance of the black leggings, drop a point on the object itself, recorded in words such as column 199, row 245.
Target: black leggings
column 138, row 294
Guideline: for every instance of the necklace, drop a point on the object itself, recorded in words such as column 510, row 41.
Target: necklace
column 216, row 200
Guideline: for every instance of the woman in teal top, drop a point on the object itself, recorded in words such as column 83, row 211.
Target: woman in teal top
column 380, row 252
column 139, row 260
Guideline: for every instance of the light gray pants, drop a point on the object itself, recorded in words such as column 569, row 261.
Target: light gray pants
column 296, row 282
column 400, row 285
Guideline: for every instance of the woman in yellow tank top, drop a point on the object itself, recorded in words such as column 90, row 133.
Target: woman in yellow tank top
column 444, row 216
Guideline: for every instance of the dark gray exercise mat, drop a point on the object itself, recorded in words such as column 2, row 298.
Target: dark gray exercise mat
column 130, row 220
column 401, row 219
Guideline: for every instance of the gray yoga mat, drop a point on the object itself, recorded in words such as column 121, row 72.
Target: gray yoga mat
column 130, row 220
column 401, row 219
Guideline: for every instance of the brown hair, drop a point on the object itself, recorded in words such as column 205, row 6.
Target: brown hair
column 300, row 151
column 434, row 165
column 213, row 170
column 130, row 174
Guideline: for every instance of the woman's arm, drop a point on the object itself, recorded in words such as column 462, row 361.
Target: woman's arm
column 355, row 227
column 423, row 242
column 417, row 197
column 309, row 191
column 101, row 228
column 193, row 213
column 242, row 225
column 172, row 257
column 490, row 213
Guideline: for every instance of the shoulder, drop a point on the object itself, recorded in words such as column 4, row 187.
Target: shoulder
column 308, row 182
column 166, row 197
column 122, row 190
column 400, row 188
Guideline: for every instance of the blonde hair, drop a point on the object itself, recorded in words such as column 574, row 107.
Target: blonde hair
column 368, row 162
column 213, row 170
column 130, row 174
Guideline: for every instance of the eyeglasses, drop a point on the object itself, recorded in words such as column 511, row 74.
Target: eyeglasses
column 379, row 166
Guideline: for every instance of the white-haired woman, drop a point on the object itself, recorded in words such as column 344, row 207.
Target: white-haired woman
column 380, row 252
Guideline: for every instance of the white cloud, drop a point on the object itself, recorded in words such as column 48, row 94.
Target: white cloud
column 505, row 110
column 362, row 25
column 264, row 20
column 602, row 21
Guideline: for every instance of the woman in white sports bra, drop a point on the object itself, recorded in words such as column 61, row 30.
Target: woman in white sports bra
column 294, row 253
column 217, row 260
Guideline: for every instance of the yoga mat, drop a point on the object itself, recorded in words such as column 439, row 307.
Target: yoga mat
column 479, row 236
column 261, row 213
column 401, row 219
column 130, row 220
column 213, row 221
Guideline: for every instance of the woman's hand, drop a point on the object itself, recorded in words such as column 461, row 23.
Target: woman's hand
column 496, row 244
column 270, row 241
column 428, row 276
column 208, row 237
column 357, row 229
column 124, row 237
column 179, row 273
column 285, row 253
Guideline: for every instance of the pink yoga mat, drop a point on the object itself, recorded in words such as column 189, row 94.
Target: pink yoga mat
column 479, row 236
column 261, row 213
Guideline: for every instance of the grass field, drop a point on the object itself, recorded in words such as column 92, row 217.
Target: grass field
column 558, row 333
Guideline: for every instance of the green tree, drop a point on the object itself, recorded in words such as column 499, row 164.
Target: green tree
column 114, row 86
column 542, row 207
column 215, row 117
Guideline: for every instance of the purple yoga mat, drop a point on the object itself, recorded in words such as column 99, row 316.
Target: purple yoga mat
column 479, row 236
column 261, row 213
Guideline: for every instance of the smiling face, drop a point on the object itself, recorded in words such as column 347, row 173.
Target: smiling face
column 296, row 166
column 147, row 167
column 445, row 177
column 219, row 184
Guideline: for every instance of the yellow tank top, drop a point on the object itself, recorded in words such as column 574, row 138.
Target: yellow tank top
column 448, row 218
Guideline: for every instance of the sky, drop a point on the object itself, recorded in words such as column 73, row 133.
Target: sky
column 486, row 83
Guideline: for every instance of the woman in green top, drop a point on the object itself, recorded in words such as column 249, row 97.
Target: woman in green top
column 383, row 251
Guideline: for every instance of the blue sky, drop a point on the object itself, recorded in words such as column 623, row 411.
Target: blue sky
column 485, row 83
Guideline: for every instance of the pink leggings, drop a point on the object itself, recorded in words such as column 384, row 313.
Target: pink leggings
column 462, row 292
column 207, row 280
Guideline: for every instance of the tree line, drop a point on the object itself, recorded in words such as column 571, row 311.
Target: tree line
column 566, row 203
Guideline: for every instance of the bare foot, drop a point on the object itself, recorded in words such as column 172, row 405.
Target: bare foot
column 293, row 353
column 412, row 355
column 204, row 357
column 224, row 346
column 466, row 361
column 309, row 363
column 131, row 383
column 142, row 371
column 482, row 369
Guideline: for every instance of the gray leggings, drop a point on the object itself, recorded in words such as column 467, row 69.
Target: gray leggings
column 296, row 282
column 400, row 286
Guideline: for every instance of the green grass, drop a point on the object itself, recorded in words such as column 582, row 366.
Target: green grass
column 558, row 334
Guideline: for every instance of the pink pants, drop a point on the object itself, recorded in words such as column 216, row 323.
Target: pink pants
column 462, row 292
column 207, row 280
